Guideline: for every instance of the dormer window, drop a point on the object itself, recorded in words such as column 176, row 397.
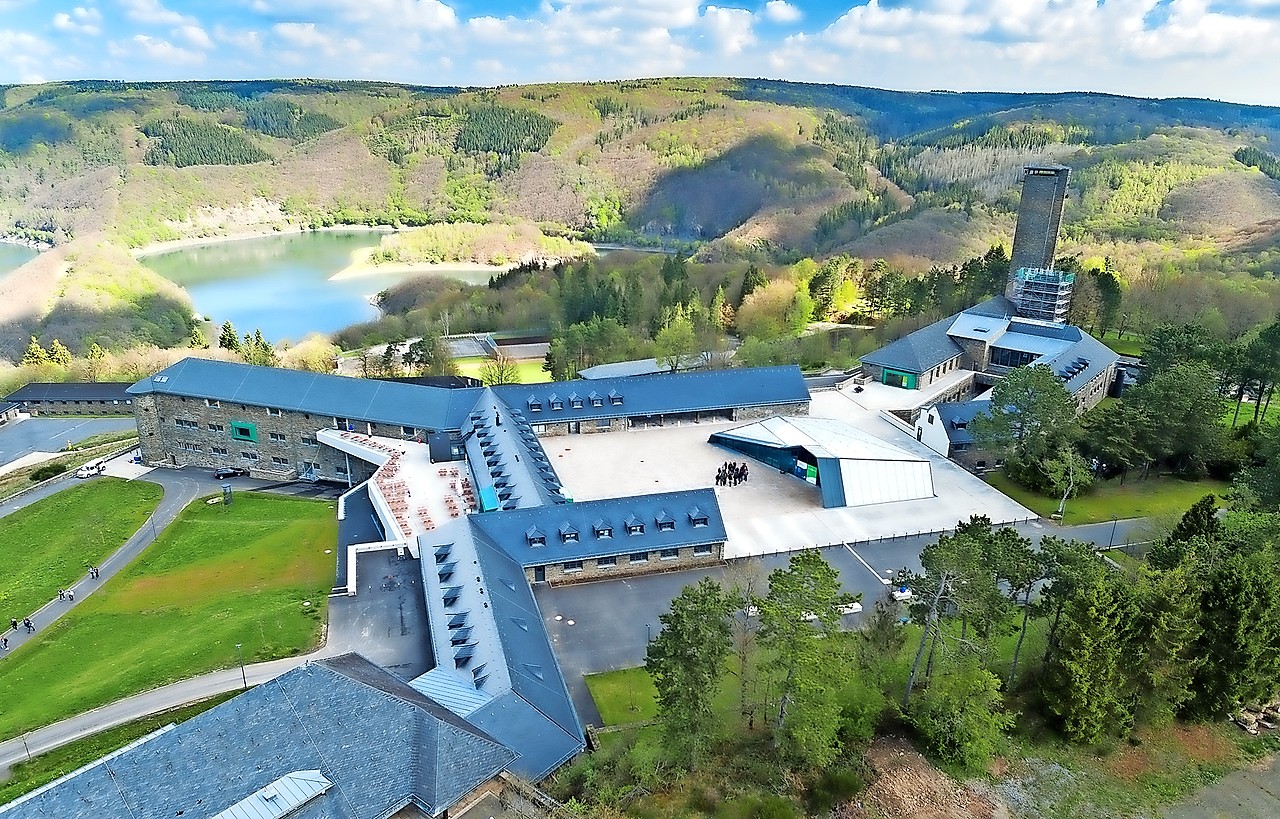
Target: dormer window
column 568, row 533
column 556, row 402
column 535, row 536
column 596, row 400
column 634, row 525
column 535, row 405
column 665, row 522
column 615, row 398
column 602, row 530
column 697, row 518
column 574, row 401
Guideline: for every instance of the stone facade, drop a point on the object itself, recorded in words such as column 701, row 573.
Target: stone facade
column 770, row 410
column 1092, row 393
column 580, row 427
column 78, row 407
column 181, row 431
column 600, row 568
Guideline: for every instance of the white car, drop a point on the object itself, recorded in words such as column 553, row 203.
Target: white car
column 901, row 594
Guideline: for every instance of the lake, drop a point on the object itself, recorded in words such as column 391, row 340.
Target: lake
column 14, row 256
column 280, row 284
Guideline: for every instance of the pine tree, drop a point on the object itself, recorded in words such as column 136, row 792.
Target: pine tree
column 227, row 339
column 35, row 354
column 59, row 354
column 1084, row 681
column 751, row 282
column 95, row 355
column 197, row 339
column 1163, row 656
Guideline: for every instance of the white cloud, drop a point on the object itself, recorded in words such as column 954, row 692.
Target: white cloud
column 729, row 29
column 195, row 36
column 302, row 35
column 246, row 39
column 25, row 56
column 81, row 20
column 386, row 15
column 154, row 48
column 780, row 11
column 151, row 11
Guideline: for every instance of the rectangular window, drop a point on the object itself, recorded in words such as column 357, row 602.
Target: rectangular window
column 249, row 456
column 702, row 549
column 670, row 554
column 698, row 522
column 572, row 566
column 190, row 447
column 278, row 461
column 340, row 470
column 538, row 429
column 275, row 412
column 576, row 403
column 639, row 557
column 218, row 450
column 309, row 440
column 409, row 431
column 604, row 533
column 569, row 537
column 666, row 526
column 212, row 402
column 244, row 431
column 635, row 529
column 277, row 437
column 606, row 562
column 183, row 423
column 557, row 404
column 217, row 428
column 604, row 423
column 597, row 402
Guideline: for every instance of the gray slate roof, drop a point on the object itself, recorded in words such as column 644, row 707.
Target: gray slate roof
column 382, row 744
column 509, row 531
column 956, row 416
column 71, row 391
column 322, row 395
column 920, row 351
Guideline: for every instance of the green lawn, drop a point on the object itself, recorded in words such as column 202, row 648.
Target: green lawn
column 531, row 372
column 1129, row 345
column 1271, row 416
column 218, row 576
column 624, row 696
column 1134, row 499
column 42, row 769
column 117, row 437
column 51, row 543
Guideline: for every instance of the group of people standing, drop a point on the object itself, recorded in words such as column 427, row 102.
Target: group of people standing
column 68, row 595
column 731, row 473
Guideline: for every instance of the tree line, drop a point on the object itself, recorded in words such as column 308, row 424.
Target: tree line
column 180, row 141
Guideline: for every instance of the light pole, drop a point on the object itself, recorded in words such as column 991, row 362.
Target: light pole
column 648, row 632
column 1112, row 541
column 26, row 747
column 243, row 678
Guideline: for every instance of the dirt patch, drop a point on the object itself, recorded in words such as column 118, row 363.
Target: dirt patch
column 1202, row 743
column 1129, row 763
column 907, row 784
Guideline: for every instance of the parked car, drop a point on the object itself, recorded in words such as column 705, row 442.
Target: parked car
column 224, row 472
column 92, row 468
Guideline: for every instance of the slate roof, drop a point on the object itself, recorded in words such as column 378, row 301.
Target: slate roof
column 71, row 391
column 920, row 351
column 956, row 416
column 509, row 530
column 1095, row 356
column 319, row 394
column 665, row 393
column 507, row 456
column 382, row 745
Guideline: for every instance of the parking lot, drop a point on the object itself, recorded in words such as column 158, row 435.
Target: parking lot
column 32, row 440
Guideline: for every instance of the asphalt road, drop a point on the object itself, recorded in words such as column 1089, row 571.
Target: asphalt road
column 19, row 438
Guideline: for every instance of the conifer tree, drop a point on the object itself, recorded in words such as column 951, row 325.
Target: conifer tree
column 59, row 354
column 95, row 356
column 227, row 339
column 35, row 354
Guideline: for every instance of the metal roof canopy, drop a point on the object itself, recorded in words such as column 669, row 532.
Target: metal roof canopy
column 280, row 798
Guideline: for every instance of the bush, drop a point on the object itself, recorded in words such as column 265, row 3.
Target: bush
column 758, row 807
column 836, row 786
column 47, row 471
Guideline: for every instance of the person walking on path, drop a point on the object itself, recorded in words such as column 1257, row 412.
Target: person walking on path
column 31, row 628
column 71, row 595
column 4, row 643
column 62, row 594
column 13, row 621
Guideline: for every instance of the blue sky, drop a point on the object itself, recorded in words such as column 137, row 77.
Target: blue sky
column 1222, row 49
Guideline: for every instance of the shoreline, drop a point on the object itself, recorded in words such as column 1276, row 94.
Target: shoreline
column 361, row 266
column 30, row 244
column 156, row 248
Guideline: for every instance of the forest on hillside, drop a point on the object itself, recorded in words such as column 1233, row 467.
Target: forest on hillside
column 1177, row 199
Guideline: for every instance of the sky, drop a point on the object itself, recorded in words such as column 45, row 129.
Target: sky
column 1219, row 49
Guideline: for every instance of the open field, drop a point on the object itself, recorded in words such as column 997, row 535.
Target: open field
column 1134, row 499
column 50, row 544
column 254, row 573
column 1271, row 415
column 531, row 372
column 624, row 696
column 42, row 769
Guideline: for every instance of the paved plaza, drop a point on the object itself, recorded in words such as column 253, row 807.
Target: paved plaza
column 772, row 512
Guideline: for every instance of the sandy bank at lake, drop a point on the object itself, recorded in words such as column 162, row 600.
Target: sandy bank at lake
column 362, row 264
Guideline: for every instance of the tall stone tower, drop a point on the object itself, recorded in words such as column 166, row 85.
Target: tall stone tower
column 1039, row 291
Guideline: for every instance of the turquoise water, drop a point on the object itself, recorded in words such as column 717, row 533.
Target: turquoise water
column 14, row 256
column 280, row 284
